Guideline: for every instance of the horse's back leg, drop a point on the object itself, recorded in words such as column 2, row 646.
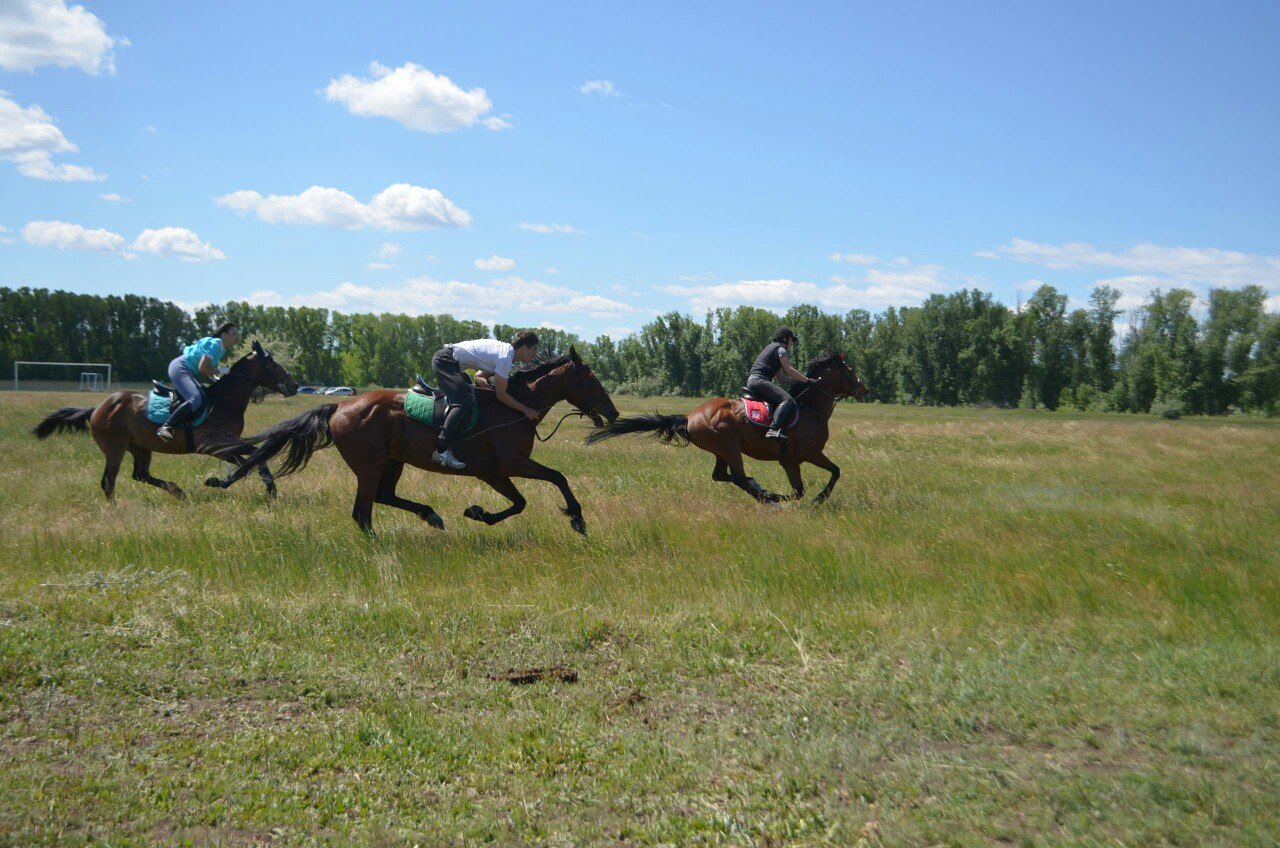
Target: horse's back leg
column 823, row 462
column 386, row 495
column 721, row 472
column 142, row 472
column 738, row 476
column 504, row 487
column 113, row 447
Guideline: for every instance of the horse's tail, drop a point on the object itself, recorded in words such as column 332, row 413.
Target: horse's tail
column 73, row 419
column 302, row 434
column 665, row 428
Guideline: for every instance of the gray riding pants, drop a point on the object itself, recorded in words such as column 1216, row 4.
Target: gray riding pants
column 185, row 382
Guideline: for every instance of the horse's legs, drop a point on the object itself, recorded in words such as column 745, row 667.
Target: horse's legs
column 387, row 495
column 822, row 462
column 792, row 467
column 738, row 475
column 533, row 470
column 504, row 487
column 367, row 480
column 114, row 454
column 142, row 472
column 268, row 480
column 721, row 472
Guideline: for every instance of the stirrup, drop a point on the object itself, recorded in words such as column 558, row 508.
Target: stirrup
column 775, row 433
column 164, row 433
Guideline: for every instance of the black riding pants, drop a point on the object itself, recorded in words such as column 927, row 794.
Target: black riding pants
column 453, row 383
column 779, row 400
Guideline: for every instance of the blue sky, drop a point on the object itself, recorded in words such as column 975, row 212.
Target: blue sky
column 385, row 156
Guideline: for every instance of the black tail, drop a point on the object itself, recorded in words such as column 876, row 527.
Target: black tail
column 73, row 419
column 666, row 428
column 303, row 434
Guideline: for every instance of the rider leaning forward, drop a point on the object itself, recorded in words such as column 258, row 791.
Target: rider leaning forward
column 774, row 358
column 492, row 359
column 198, row 359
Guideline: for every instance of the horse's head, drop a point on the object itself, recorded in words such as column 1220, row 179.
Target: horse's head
column 838, row 376
column 587, row 393
column 271, row 375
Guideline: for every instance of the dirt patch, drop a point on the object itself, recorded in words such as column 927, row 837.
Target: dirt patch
column 525, row 676
column 630, row 699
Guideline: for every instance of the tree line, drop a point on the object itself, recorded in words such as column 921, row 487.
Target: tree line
column 959, row 348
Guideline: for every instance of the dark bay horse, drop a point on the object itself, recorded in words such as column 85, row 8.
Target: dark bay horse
column 120, row 423
column 720, row 427
column 377, row 439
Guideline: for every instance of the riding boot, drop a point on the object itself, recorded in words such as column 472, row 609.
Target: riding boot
column 178, row 415
column 781, row 419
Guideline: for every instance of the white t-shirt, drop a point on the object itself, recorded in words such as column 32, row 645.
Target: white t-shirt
column 485, row 355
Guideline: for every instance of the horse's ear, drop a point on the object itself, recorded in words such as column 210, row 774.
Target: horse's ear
column 842, row 356
column 257, row 347
column 573, row 354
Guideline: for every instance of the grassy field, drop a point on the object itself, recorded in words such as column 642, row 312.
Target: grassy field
column 1005, row 628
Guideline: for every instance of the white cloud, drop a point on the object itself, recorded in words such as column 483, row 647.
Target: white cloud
column 1177, row 265
column 377, row 266
column 616, row 333
column 563, row 229
column 495, row 263
column 176, row 242
column 854, row 258
column 66, row 236
column 878, row 289
column 1273, row 304
column 488, row 301
column 114, row 198
column 29, row 138
column 1135, row 289
column 602, row 87
column 35, row 33
column 173, row 242
column 388, row 250
column 399, row 207
column 552, row 271
column 415, row 97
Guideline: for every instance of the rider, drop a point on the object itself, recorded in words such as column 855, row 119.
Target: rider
column 492, row 359
column 198, row 358
column 774, row 358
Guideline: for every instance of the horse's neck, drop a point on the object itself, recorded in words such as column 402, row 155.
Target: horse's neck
column 546, row 391
column 819, row 401
column 232, row 398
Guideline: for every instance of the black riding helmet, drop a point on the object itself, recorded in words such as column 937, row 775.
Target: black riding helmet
column 782, row 334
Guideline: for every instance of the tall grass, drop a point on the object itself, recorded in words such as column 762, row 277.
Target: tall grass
column 1004, row 627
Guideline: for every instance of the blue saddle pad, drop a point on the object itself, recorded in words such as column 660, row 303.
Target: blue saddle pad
column 158, row 406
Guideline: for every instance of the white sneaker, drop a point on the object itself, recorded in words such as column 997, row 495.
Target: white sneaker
column 165, row 433
column 447, row 459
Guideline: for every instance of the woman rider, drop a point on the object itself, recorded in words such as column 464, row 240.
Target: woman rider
column 492, row 360
column 774, row 358
column 200, row 358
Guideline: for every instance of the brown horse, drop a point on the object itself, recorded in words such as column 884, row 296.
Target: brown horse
column 377, row 439
column 120, row 423
column 720, row 427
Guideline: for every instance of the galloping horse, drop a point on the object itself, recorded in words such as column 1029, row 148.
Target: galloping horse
column 720, row 427
column 377, row 438
column 120, row 423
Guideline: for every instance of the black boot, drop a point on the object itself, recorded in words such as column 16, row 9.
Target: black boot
column 448, row 432
column 178, row 415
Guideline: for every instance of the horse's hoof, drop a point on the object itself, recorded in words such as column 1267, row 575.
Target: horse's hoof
column 434, row 519
column 578, row 524
column 473, row 512
column 178, row 493
column 272, row 494
column 215, row 483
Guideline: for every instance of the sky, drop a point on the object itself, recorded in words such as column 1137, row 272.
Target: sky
column 588, row 166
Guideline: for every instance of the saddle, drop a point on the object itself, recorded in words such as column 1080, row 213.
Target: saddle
column 760, row 413
column 426, row 404
column 162, row 398
column 162, row 388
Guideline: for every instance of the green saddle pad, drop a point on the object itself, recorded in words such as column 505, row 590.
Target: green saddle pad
column 424, row 409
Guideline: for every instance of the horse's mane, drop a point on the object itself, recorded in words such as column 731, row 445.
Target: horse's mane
column 240, row 364
column 818, row 363
column 538, row 368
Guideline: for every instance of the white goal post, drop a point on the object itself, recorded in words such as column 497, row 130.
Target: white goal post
column 88, row 379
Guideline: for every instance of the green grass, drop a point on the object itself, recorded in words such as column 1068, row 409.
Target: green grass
column 1005, row 628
